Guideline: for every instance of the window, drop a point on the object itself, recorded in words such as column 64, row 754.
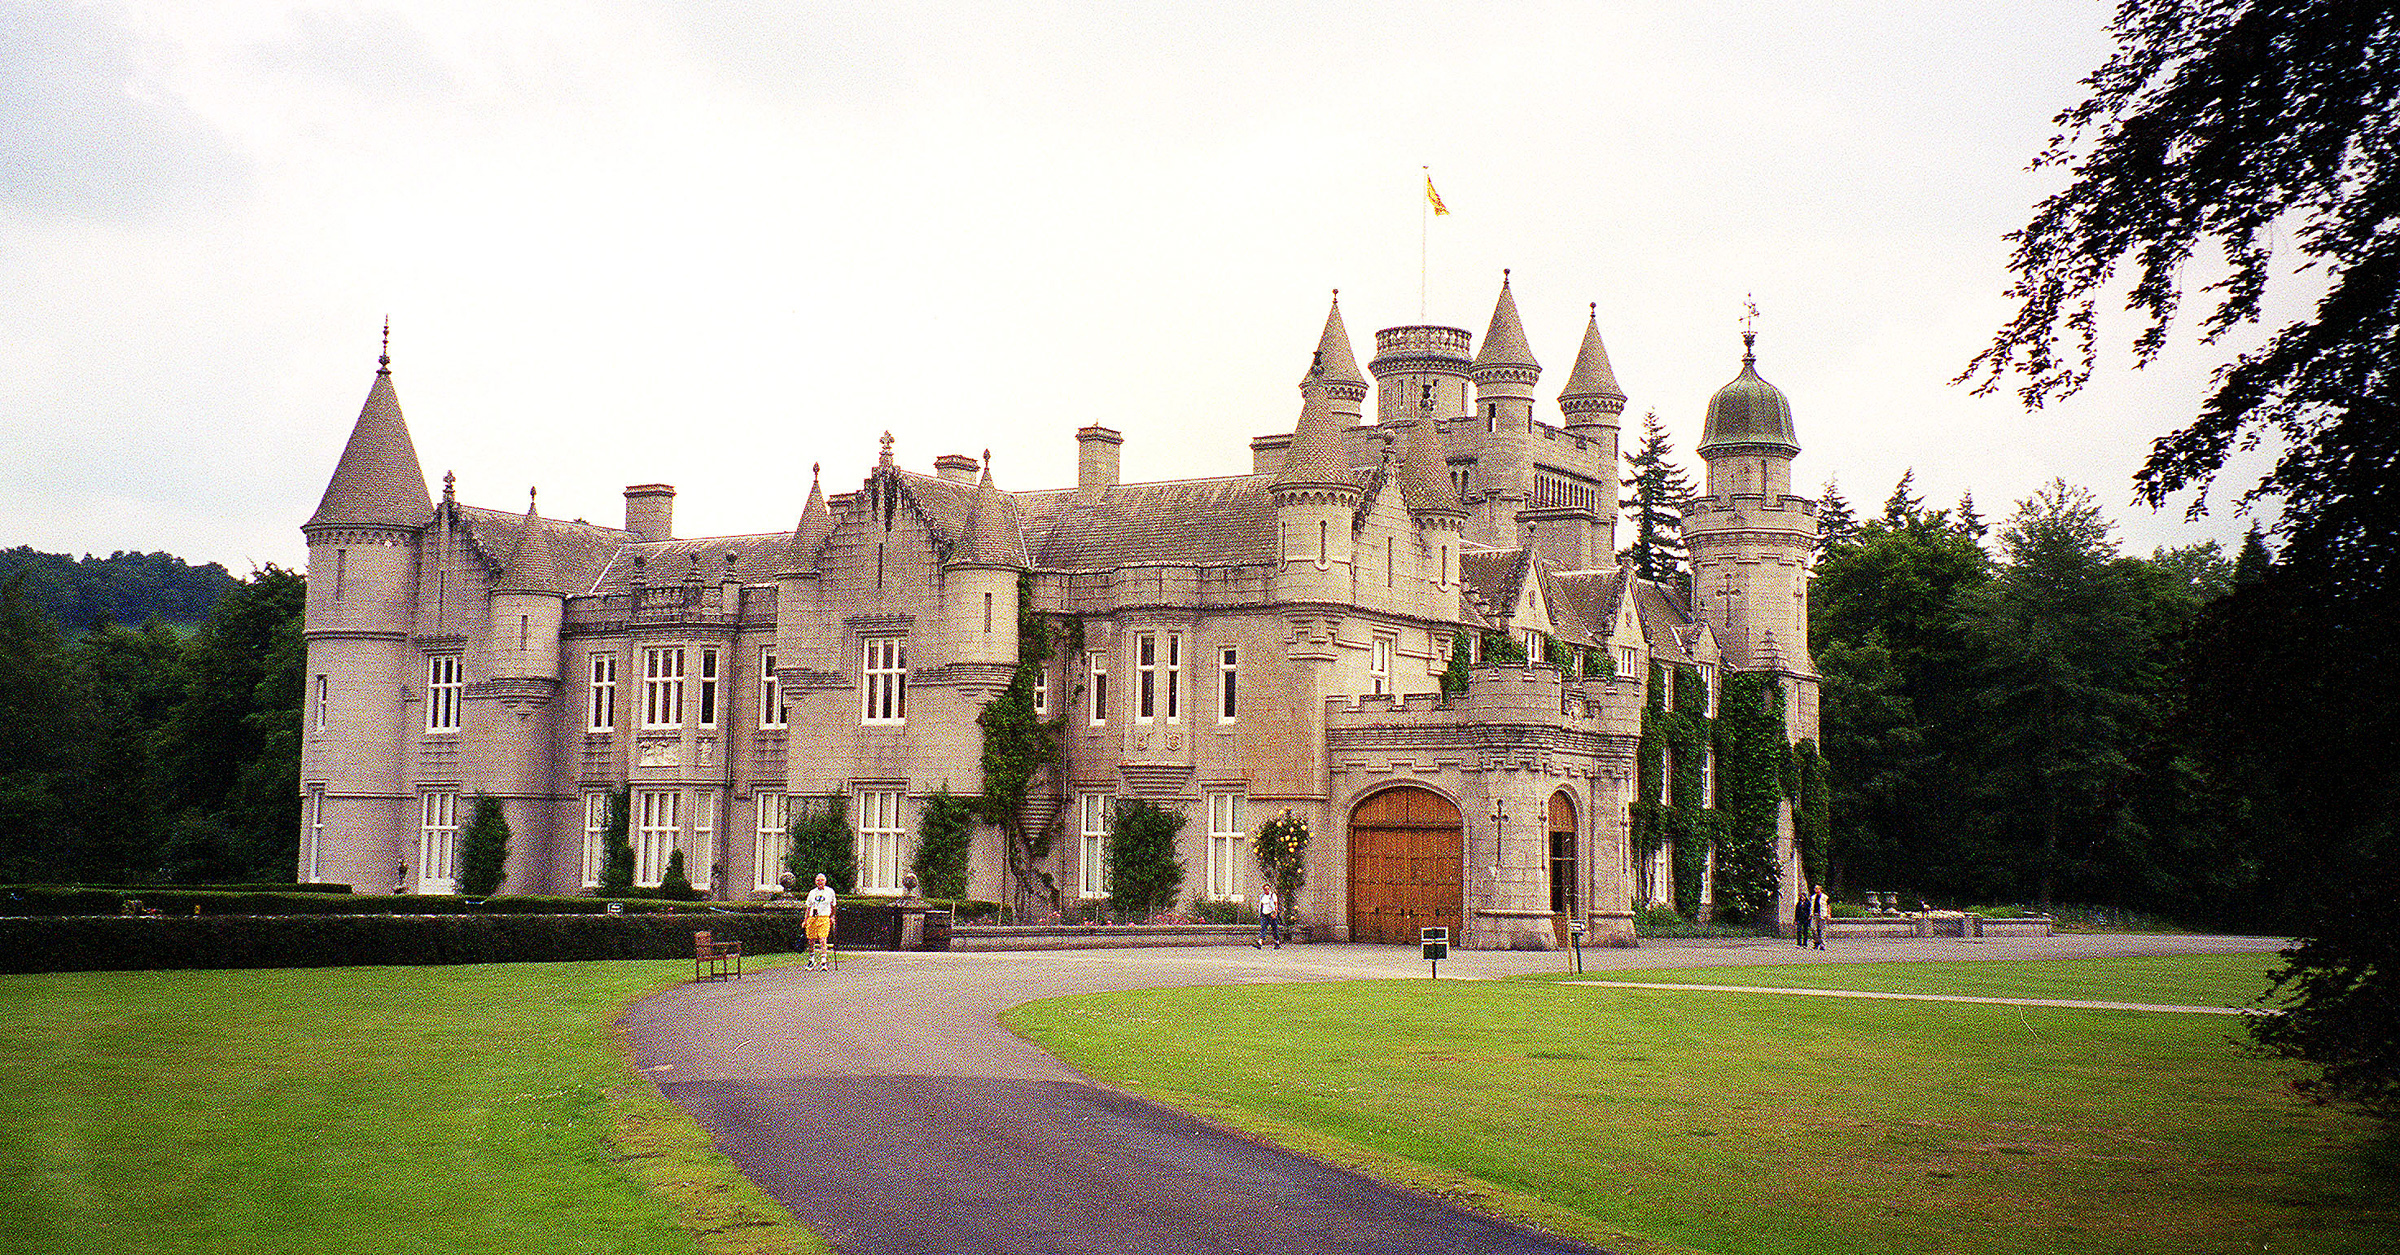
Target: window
column 1708, row 776
column 884, row 674
column 662, row 688
column 1092, row 879
column 1661, row 884
column 341, row 571
column 700, row 866
column 1229, row 661
column 879, row 833
column 443, row 683
column 1041, row 691
column 1157, row 676
column 708, row 688
column 602, row 713
column 987, row 614
column 1225, row 841
column 595, row 836
column 319, row 697
column 772, row 712
column 1099, row 664
column 437, row 843
column 1708, row 685
column 658, row 823
column 1533, row 646
column 1629, row 663
column 316, row 834
column 1379, row 665
column 774, row 841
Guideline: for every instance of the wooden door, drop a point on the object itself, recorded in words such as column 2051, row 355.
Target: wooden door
column 1406, row 850
column 1564, row 884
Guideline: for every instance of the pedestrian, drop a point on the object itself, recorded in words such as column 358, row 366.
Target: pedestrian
column 1270, row 924
column 1820, row 909
column 1802, row 907
column 819, row 923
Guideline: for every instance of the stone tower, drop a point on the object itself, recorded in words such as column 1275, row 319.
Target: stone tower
column 509, row 707
column 363, row 547
column 1749, row 540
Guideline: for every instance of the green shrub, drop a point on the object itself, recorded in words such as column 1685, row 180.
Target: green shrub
column 331, row 940
column 483, row 849
column 1143, row 874
column 1281, row 848
column 945, row 834
column 673, row 884
column 1454, row 676
column 822, row 844
column 1218, row 911
column 616, row 845
column 1849, row 910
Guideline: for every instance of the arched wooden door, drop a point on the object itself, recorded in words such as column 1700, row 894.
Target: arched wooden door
column 1565, row 884
column 1406, row 847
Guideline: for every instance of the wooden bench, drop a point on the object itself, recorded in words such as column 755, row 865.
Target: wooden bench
column 713, row 959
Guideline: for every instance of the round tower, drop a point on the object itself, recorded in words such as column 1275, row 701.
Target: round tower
column 1315, row 500
column 980, row 585
column 357, row 814
column 510, row 703
column 1592, row 405
column 1421, row 372
column 1504, row 371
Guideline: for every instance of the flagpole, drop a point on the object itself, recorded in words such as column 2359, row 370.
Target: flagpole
column 1424, row 232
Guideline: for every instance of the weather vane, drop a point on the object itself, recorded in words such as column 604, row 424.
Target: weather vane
column 1749, row 312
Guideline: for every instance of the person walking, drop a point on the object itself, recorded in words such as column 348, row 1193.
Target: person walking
column 1270, row 924
column 819, row 924
column 1820, row 909
column 1802, row 907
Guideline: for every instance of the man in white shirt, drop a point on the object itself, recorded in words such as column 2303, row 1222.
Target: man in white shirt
column 819, row 924
column 1269, row 926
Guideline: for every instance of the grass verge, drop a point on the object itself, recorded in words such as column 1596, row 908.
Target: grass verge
column 420, row 1109
column 1659, row 1121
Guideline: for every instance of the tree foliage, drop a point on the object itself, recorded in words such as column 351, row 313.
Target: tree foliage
column 483, row 849
column 1654, row 497
column 123, row 587
column 822, row 842
column 945, row 837
column 1281, row 848
column 616, row 845
column 2230, row 128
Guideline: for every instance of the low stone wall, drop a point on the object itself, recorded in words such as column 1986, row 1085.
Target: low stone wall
column 1960, row 924
column 1105, row 936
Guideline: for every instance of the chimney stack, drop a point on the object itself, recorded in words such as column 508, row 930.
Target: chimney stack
column 957, row 468
column 650, row 511
column 1097, row 467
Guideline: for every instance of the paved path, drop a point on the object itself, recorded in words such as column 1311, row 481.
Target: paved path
column 885, row 1106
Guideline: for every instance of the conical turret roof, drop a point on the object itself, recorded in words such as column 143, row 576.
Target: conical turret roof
column 1314, row 459
column 1334, row 363
column 992, row 536
column 1424, row 472
column 531, row 566
column 1748, row 411
column 816, row 523
column 1593, row 378
column 1504, row 342
column 378, row 481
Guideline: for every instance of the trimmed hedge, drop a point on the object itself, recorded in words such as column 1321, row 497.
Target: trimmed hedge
column 99, row 943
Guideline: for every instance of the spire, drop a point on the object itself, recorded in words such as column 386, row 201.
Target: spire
column 1592, row 386
column 992, row 536
column 1334, row 365
column 1424, row 472
column 1315, row 459
column 1748, row 414
column 378, row 481
column 1504, row 343
column 816, row 523
column 531, row 566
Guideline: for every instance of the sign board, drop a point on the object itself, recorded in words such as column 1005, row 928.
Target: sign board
column 1436, row 942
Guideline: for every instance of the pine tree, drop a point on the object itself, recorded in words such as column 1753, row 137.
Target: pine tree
column 1970, row 523
column 483, row 849
column 1837, row 523
column 1903, row 506
column 673, row 884
column 1657, row 490
column 616, row 846
column 2251, row 564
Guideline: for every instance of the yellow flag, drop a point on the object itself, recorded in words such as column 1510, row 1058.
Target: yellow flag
column 1434, row 198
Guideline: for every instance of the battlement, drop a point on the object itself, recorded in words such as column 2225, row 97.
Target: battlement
column 1523, row 695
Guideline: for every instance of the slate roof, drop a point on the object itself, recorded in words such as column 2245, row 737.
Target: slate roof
column 1592, row 376
column 378, row 479
column 1188, row 522
column 579, row 551
column 1504, row 341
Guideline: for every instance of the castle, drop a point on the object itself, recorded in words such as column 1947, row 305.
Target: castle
column 1244, row 646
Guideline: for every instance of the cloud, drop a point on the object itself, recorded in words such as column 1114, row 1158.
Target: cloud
column 84, row 133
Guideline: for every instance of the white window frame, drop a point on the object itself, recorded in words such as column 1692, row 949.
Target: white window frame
column 1226, row 837
column 882, row 835
column 708, row 688
column 1229, row 669
column 773, row 843
column 600, row 711
column 657, row 832
column 774, row 714
column 1145, row 677
column 316, row 835
column 883, row 681
column 1629, row 663
column 437, row 841
column 700, row 863
column 1379, row 662
column 1041, row 692
column 595, row 836
column 1708, row 682
column 445, row 684
column 1091, row 872
column 321, row 696
column 1708, row 777
column 662, row 686
column 1170, row 673
column 1097, row 661
column 1533, row 646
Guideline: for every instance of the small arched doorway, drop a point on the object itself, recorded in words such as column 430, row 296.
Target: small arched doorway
column 1564, row 883
column 1406, row 847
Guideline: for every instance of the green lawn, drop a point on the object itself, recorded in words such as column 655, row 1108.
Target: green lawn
column 421, row 1109
column 1663, row 1121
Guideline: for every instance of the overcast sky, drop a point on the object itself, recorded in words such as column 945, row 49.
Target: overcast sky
column 711, row 243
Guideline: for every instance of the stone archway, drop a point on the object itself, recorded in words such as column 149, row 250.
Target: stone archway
column 1407, row 847
column 1566, row 884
